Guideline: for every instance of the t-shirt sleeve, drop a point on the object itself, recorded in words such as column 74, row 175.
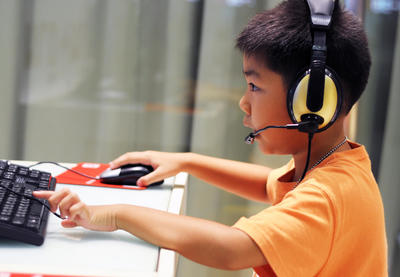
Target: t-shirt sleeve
column 295, row 235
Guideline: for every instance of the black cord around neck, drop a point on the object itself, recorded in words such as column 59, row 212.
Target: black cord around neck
column 310, row 137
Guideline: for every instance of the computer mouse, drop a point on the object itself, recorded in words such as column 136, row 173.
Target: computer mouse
column 126, row 175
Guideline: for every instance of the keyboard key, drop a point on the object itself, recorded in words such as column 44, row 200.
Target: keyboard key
column 32, row 182
column 5, row 183
column 33, row 222
column 34, row 174
column 23, row 206
column 28, row 191
column 17, row 188
column 43, row 185
column 45, row 177
column 3, row 164
column 23, row 172
column 13, row 168
column 19, row 179
column 17, row 220
column 5, row 218
column 6, row 212
column 9, row 175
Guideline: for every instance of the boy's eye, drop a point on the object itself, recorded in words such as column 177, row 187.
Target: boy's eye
column 253, row 87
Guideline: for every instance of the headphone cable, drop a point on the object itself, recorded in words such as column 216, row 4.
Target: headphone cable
column 310, row 137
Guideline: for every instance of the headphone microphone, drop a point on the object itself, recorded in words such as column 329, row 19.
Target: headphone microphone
column 309, row 126
column 250, row 138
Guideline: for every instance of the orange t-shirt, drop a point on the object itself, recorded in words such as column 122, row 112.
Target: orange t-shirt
column 331, row 224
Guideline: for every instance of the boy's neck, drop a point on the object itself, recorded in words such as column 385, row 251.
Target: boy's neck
column 322, row 143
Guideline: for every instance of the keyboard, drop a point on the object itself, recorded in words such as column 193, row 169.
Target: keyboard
column 22, row 218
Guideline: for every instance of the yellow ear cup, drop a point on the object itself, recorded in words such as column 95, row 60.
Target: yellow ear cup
column 329, row 106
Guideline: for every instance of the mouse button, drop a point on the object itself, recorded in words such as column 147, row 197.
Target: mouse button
column 135, row 169
column 127, row 166
column 149, row 168
column 110, row 173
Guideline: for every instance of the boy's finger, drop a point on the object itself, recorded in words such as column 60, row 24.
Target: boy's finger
column 77, row 210
column 120, row 161
column 43, row 194
column 68, row 223
column 46, row 195
column 155, row 176
column 56, row 198
column 131, row 157
column 67, row 202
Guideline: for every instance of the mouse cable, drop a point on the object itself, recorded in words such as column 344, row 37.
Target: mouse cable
column 69, row 169
column 32, row 198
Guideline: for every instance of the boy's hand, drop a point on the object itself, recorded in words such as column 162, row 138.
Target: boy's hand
column 165, row 164
column 77, row 213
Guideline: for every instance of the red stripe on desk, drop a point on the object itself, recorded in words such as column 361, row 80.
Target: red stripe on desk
column 9, row 274
column 91, row 169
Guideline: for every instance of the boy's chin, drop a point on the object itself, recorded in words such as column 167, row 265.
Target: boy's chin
column 272, row 148
column 268, row 149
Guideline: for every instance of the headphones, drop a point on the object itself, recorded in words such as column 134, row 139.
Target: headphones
column 316, row 94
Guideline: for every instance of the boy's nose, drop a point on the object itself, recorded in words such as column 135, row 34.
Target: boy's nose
column 244, row 105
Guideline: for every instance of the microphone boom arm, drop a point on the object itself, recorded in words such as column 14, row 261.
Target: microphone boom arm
column 250, row 138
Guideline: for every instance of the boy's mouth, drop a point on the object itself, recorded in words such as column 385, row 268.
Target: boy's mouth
column 246, row 123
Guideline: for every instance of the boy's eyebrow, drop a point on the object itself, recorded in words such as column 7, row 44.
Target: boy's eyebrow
column 251, row 72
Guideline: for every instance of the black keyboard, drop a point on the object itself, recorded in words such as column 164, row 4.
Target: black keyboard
column 21, row 217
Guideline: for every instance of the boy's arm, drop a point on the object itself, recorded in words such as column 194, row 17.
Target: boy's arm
column 202, row 241
column 244, row 179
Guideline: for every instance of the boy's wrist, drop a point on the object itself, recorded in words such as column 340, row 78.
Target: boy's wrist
column 186, row 160
column 118, row 212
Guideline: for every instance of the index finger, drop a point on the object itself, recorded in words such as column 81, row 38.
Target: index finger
column 54, row 197
column 130, row 157
column 43, row 194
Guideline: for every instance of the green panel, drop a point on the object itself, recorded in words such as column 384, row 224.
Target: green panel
column 63, row 76
column 10, row 34
column 183, row 36
column 381, row 32
column 217, row 124
column 389, row 169
column 116, row 75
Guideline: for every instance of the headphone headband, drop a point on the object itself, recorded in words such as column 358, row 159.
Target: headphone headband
column 321, row 12
column 316, row 95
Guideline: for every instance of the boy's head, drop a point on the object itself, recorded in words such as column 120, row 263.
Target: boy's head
column 281, row 39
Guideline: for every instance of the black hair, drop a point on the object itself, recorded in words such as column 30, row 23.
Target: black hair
column 281, row 38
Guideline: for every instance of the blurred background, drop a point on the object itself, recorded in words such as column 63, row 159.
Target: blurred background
column 88, row 80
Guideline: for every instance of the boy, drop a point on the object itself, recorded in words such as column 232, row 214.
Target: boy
column 327, row 223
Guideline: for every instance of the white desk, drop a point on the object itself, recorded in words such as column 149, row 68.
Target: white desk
column 79, row 252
